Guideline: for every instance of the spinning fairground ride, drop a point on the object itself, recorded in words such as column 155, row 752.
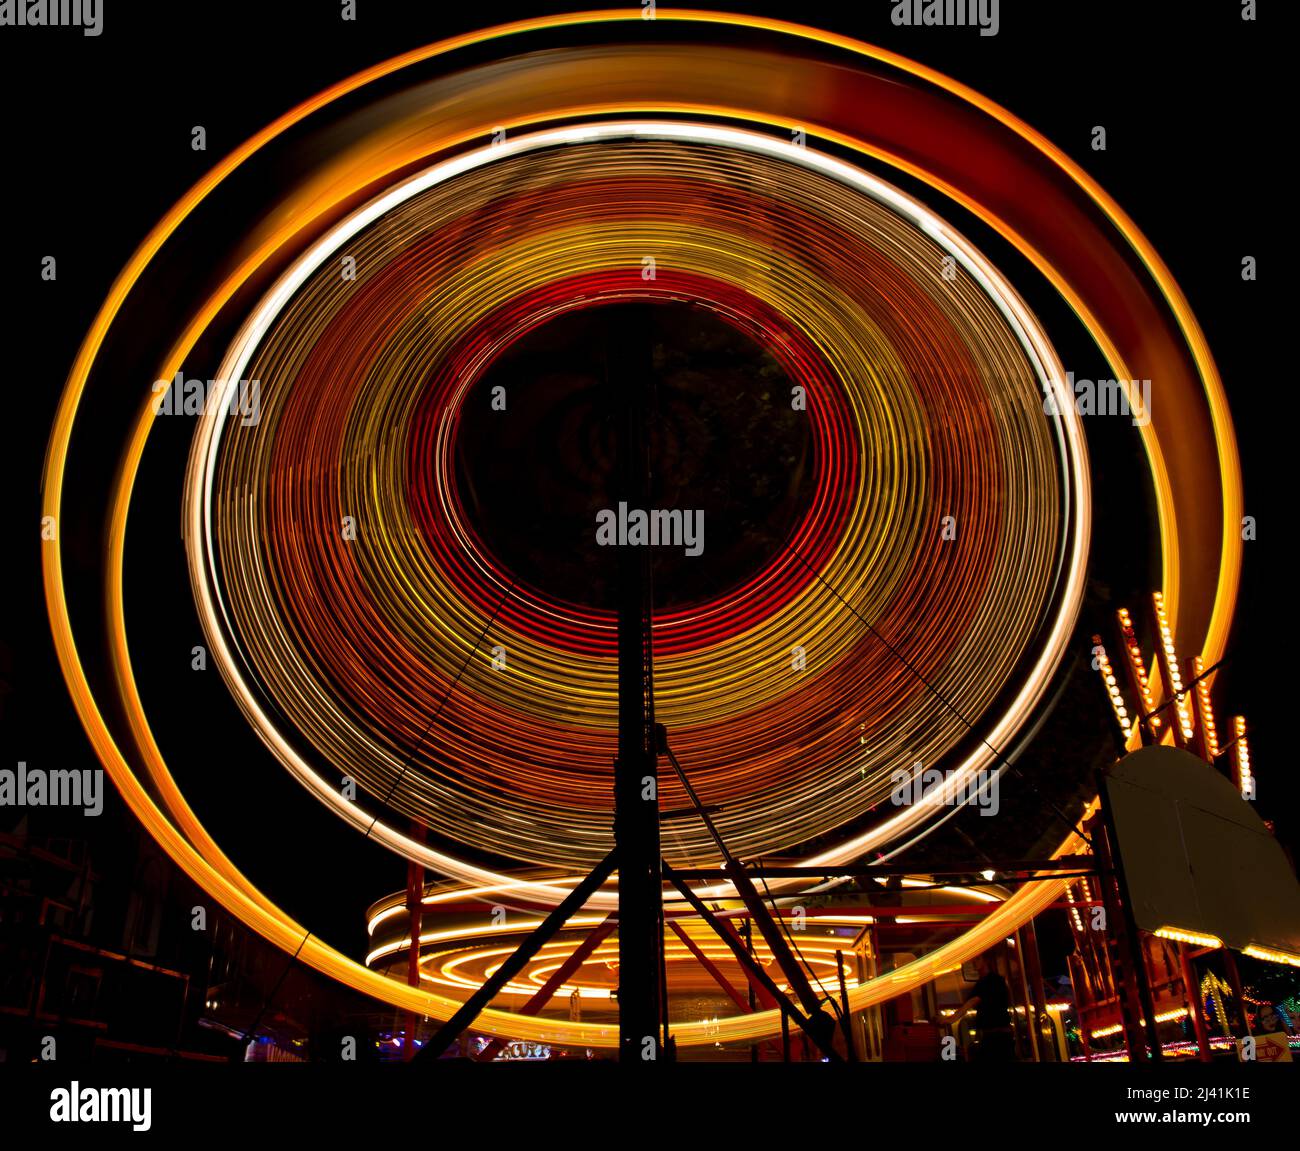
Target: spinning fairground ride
column 628, row 472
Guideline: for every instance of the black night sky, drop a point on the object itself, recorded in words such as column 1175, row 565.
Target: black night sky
column 98, row 145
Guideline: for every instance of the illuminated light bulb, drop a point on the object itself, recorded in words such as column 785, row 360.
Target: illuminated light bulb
column 1205, row 710
column 1173, row 675
column 1241, row 758
column 1074, row 911
column 1112, row 687
column 1137, row 668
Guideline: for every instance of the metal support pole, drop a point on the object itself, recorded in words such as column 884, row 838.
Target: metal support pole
column 1082, row 987
column 719, row 978
column 749, row 946
column 1192, row 993
column 1034, row 973
column 820, row 1030
column 1238, row 992
column 846, row 1016
column 414, row 914
column 450, row 1031
column 1124, row 989
column 547, row 991
column 1140, row 975
column 641, row 1021
column 821, row 1024
column 1027, row 1002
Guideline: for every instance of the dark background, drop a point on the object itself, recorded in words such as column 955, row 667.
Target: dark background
column 97, row 148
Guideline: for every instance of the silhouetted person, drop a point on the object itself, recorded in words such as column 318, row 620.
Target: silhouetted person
column 991, row 1002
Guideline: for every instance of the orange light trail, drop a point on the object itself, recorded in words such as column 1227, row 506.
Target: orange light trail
column 1200, row 552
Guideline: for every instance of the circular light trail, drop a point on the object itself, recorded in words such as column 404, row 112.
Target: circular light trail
column 360, row 640
column 1028, row 191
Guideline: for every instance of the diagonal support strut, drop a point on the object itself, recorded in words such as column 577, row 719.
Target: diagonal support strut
column 450, row 1031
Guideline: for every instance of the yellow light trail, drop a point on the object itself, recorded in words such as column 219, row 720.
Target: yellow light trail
column 1209, row 608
